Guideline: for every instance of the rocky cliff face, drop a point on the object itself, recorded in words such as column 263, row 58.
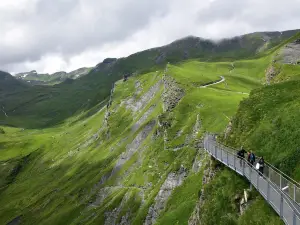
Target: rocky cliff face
column 290, row 54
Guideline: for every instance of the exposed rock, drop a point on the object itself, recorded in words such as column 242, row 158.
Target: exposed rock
column 138, row 87
column 198, row 161
column 111, row 217
column 137, row 105
column 135, row 144
column 228, row 129
column 208, row 175
column 137, row 125
column 102, row 194
column 271, row 72
column 173, row 180
column 125, row 219
column 130, row 150
column 178, row 133
column 172, row 93
column 290, row 54
column 244, row 202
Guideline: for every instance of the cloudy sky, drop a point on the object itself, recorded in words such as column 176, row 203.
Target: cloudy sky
column 54, row 35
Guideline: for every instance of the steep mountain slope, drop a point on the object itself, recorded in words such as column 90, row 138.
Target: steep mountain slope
column 268, row 122
column 43, row 104
column 9, row 83
column 139, row 161
column 35, row 78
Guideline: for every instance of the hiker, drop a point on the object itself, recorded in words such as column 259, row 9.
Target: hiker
column 252, row 158
column 261, row 166
column 241, row 155
column 248, row 157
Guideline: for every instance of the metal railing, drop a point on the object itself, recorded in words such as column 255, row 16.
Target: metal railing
column 280, row 191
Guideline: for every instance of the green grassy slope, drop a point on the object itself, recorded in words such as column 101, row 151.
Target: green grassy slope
column 42, row 106
column 58, row 171
column 77, row 163
column 267, row 123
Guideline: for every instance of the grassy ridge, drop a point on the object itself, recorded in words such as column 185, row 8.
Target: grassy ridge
column 54, row 175
column 267, row 123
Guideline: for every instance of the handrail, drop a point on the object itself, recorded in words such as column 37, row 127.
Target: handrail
column 283, row 202
column 273, row 167
column 276, row 170
column 251, row 166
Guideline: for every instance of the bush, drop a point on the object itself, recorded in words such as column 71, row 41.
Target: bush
column 2, row 131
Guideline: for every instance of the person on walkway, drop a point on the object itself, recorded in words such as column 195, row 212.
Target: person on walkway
column 261, row 163
column 252, row 158
column 248, row 157
column 241, row 155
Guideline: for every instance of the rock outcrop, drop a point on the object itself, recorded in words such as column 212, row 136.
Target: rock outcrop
column 173, row 180
column 290, row 54
column 271, row 72
column 172, row 93
column 137, row 104
column 208, row 175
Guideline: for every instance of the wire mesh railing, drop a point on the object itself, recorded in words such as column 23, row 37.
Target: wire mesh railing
column 279, row 191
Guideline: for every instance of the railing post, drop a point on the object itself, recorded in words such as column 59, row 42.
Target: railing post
column 280, row 182
column 257, row 182
column 294, row 218
column 281, row 205
column 243, row 165
column 234, row 162
column 227, row 158
column 294, row 192
column 222, row 155
column 216, row 151
column 250, row 175
column 268, row 192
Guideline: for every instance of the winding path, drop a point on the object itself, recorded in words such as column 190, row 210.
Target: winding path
column 279, row 190
column 220, row 81
column 216, row 82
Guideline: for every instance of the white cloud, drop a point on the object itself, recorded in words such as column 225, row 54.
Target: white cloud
column 66, row 34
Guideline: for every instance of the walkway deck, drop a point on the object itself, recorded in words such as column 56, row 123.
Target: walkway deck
column 280, row 191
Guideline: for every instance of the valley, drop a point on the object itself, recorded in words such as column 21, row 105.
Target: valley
column 101, row 150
